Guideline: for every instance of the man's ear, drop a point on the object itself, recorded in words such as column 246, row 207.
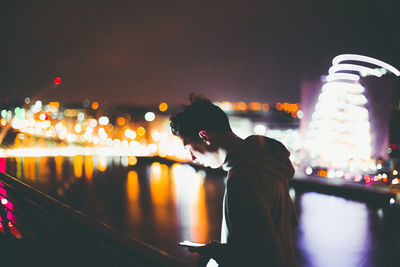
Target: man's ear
column 204, row 137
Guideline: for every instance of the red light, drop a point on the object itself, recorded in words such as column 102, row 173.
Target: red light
column 57, row 80
column 394, row 146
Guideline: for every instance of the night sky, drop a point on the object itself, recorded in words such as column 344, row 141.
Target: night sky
column 145, row 52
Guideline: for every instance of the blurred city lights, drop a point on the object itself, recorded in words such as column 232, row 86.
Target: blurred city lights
column 149, row 116
column 78, row 128
column 130, row 134
column 163, row 107
column 103, row 120
column 132, row 160
column 140, row 131
column 57, row 80
column 121, row 121
column 95, row 105
column 81, row 116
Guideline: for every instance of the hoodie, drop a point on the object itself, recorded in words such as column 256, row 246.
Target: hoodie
column 258, row 213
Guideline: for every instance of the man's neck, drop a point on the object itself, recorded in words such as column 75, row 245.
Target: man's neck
column 230, row 142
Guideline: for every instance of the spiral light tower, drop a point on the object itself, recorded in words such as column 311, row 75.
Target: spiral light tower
column 339, row 135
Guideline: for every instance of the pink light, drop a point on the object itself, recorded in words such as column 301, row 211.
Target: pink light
column 2, row 165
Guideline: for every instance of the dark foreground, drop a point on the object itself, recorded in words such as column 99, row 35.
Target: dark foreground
column 163, row 203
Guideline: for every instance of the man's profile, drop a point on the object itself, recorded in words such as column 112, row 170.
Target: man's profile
column 258, row 214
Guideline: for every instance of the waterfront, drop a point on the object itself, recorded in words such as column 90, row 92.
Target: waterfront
column 162, row 203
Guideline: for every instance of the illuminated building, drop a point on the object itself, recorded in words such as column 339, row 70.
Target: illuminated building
column 338, row 132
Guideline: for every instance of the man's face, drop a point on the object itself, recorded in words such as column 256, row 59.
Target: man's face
column 207, row 155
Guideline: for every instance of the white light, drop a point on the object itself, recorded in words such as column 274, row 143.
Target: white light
column 152, row 148
column 309, row 171
column 379, row 166
column 93, row 123
column 300, row 114
column 4, row 201
column 331, row 174
column 339, row 174
column 27, row 100
column 42, row 117
column 103, row 120
column 149, row 116
column 342, row 76
column 81, row 116
column 352, row 57
column 395, row 181
column 95, row 140
column 260, row 129
column 78, row 128
column 395, row 172
column 392, row 200
column 130, row 134
column 102, row 134
column 352, row 67
column 71, row 137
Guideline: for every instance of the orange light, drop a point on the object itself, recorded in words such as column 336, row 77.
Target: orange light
column 322, row 173
column 367, row 179
column 163, row 107
column 279, row 106
column 102, row 163
column 121, row 121
column 255, row 106
column 294, row 108
column 78, row 166
column 242, row 106
column 286, row 107
column 54, row 105
column 265, row 107
column 132, row 160
column 95, row 105
column 141, row 131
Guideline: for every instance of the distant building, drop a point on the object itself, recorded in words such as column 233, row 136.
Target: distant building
column 383, row 98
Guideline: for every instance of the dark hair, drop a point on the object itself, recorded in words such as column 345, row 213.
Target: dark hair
column 201, row 114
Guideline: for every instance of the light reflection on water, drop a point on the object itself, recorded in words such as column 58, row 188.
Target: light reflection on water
column 333, row 231
column 162, row 204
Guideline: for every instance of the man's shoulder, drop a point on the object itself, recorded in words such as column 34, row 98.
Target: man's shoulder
column 244, row 175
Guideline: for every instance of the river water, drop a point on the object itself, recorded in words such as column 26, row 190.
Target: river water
column 162, row 203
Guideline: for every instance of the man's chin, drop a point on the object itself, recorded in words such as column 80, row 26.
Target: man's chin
column 215, row 166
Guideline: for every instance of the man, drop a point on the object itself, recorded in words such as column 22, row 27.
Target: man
column 258, row 214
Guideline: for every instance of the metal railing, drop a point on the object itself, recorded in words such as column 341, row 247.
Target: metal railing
column 54, row 234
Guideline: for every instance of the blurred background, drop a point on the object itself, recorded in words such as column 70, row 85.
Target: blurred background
column 87, row 89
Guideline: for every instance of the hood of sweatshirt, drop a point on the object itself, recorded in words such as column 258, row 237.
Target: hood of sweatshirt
column 261, row 152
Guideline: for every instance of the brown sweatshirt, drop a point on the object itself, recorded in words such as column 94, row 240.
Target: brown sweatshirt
column 259, row 215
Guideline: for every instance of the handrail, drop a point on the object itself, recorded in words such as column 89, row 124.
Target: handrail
column 45, row 221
